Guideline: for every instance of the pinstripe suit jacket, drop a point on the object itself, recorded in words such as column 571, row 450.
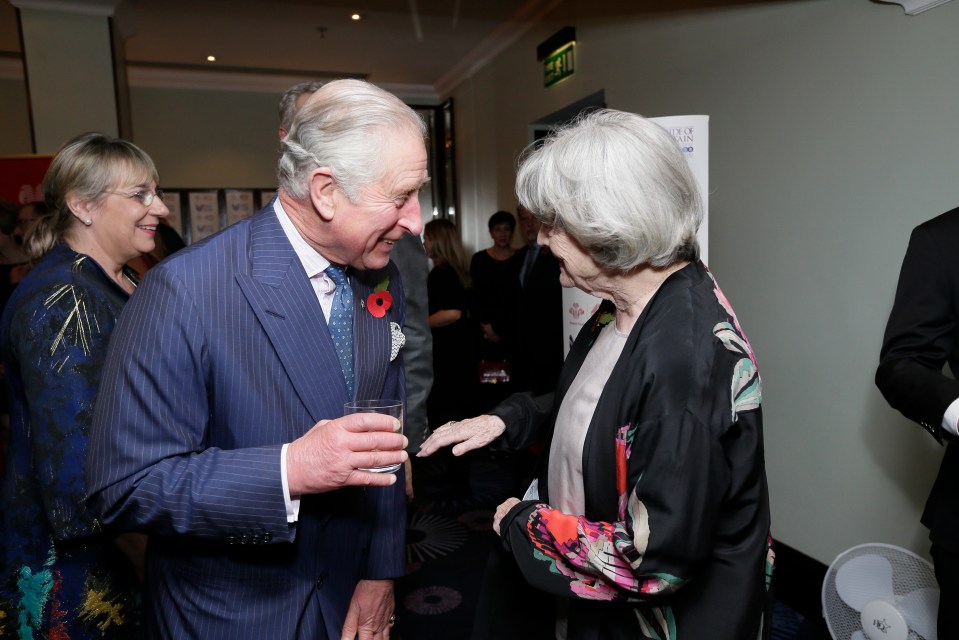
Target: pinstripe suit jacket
column 219, row 358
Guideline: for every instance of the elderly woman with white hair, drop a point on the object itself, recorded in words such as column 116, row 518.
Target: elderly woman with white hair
column 649, row 516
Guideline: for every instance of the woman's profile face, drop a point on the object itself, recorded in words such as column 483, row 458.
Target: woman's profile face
column 124, row 226
column 576, row 267
column 502, row 235
column 428, row 246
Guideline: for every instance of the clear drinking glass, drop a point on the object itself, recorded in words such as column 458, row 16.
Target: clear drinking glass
column 389, row 407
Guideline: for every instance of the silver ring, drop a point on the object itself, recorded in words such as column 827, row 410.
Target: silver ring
column 392, row 620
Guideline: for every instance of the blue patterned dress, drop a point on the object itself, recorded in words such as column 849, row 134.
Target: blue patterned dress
column 62, row 577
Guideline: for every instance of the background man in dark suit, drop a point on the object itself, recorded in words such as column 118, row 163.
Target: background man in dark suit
column 291, row 101
column 921, row 337
column 219, row 427
column 539, row 316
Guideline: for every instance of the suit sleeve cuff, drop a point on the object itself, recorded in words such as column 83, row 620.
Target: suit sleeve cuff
column 292, row 506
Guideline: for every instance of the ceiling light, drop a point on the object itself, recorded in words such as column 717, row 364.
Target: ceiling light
column 211, row 58
column 356, row 16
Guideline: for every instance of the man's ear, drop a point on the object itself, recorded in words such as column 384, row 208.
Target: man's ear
column 322, row 188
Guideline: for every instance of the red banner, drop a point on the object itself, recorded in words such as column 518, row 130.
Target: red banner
column 21, row 177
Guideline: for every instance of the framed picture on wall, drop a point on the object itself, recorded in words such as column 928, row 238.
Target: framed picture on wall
column 265, row 196
column 204, row 208
column 239, row 204
column 173, row 202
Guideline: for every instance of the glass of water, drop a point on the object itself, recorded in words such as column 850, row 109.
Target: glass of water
column 389, row 407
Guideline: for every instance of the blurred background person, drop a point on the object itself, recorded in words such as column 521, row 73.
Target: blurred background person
column 539, row 313
column 291, row 101
column 649, row 516
column 27, row 216
column 13, row 267
column 454, row 369
column 13, row 261
column 453, row 395
column 495, row 274
column 62, row 575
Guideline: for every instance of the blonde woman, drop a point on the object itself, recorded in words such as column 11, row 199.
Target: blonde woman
column 62, row 575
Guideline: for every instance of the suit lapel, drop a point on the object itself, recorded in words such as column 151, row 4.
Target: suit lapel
column 372, row 338
column 285, row 304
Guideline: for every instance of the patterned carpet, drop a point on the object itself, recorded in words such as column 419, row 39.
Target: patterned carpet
column 450, row 537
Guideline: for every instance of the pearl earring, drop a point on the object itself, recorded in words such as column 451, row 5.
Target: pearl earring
column 88, row 222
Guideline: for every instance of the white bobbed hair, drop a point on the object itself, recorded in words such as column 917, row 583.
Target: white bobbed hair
column 619, row 184
column 343, row 126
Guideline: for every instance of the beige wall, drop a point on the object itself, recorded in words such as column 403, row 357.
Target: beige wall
column 15, row 118
column 208, row 139
column 833, row 132
column 70, row 71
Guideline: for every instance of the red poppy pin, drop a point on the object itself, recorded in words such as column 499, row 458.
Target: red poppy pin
column 380, row 301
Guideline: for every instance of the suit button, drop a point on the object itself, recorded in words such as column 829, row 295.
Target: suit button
column 231, row 540
column 267, row 536
column 244, row 540
column 319, row 583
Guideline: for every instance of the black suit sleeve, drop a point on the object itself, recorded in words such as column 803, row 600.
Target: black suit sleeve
column 921, row 333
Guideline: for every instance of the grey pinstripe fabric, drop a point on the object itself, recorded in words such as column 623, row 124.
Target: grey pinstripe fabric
column 220, row 357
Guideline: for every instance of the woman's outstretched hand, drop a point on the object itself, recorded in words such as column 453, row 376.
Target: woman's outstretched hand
column 464, row 435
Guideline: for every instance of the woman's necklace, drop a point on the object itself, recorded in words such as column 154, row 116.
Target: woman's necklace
column 126, row 282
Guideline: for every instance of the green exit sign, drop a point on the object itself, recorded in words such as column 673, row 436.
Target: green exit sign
column 559, row 64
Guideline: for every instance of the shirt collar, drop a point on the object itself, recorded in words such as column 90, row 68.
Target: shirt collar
column 312, row 261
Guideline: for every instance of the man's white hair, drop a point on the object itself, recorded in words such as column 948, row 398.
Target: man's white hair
column 342, row 126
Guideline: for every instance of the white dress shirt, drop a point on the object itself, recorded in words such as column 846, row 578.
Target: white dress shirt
column 315, row 266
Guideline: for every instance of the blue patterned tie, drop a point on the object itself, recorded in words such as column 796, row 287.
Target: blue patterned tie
column 341, row 322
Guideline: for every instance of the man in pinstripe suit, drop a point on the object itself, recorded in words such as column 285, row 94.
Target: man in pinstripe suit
column 218, row 429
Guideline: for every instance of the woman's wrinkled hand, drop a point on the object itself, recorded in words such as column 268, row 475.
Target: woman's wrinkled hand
column 501, row 512
column 464, row 435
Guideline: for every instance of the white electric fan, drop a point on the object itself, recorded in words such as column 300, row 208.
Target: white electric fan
column 880, row 592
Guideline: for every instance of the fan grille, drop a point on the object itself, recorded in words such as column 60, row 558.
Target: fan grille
column 909, row 573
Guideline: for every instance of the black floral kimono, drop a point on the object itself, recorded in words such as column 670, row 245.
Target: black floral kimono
column 675, row 540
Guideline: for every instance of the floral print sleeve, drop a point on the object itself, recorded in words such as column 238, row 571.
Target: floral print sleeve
column 619, row 560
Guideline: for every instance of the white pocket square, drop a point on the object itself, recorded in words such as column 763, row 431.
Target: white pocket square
column 398, row 340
